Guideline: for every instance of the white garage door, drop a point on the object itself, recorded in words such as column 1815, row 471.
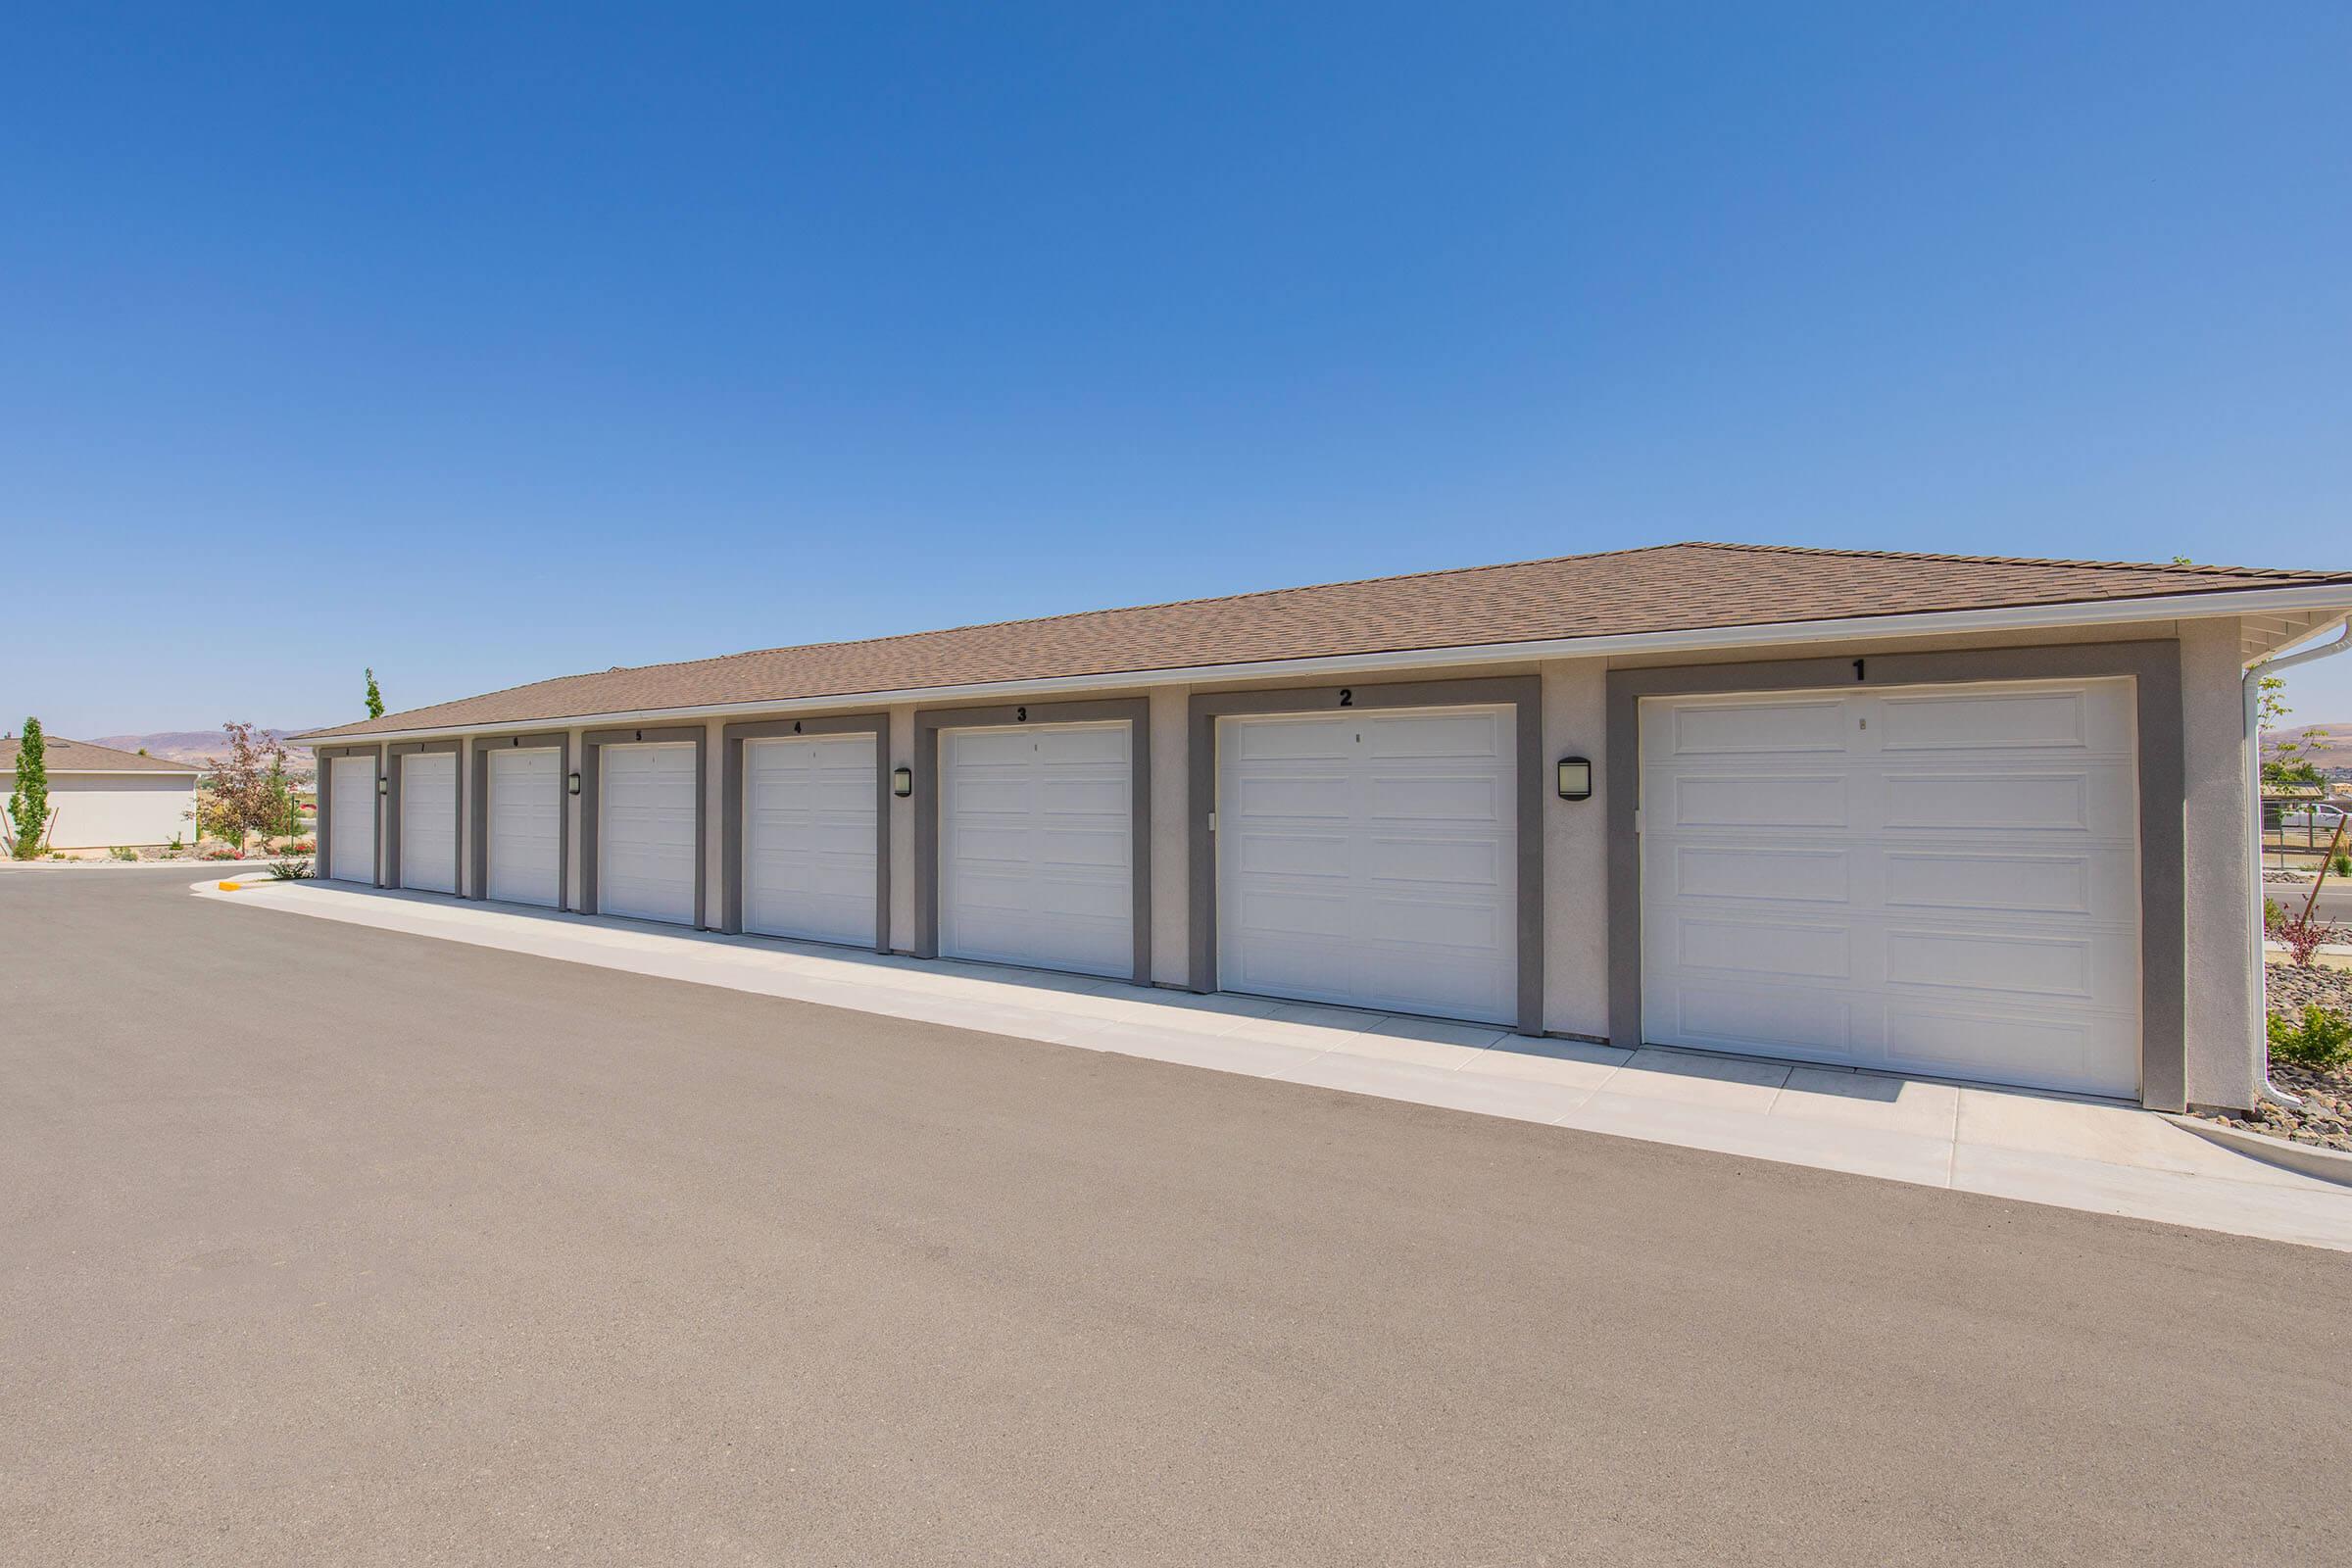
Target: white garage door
column 350, row 851
column 1371, row 859
column 526, row 852
column 645, row 844
column 808, row 838
column 1929, row 879
column 1035, row 847
column 429, row 821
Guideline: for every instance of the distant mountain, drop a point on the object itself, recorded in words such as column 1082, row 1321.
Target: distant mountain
column 200, row 746
column 2334, row 751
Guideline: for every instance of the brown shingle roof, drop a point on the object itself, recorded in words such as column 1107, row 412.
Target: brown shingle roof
column 1678, row 587
column 81, row 757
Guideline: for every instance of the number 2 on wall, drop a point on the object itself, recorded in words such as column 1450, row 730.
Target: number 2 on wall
column 1346, row 697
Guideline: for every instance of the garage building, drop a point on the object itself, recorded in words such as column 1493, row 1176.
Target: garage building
column 1977, row 817
column 102, row 799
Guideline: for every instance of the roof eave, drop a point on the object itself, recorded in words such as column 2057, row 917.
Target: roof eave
column 2336, row 596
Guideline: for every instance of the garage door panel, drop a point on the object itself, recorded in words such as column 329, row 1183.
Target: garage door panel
column 1436, row 798
column 1086, row 898
column 1735, row 800
column 995, row 893
column 1468, row 930
column 1985, row 720
column 1084, row 746
column 1775, row 948
column 1096, row 848
column 2101, row 882
column 1085, row 797
column 982, row 795
column 1743, row 729
column 1792, row 876
column 1408, row 977
column 1370, row 860
column 1291, row 854
column 1316, row 797
column 1959, row 960
column 1295, row 739
column 2011, row 803
column 2070, row 1054
column 984, row 844
column 1464, row 865
column 1793, row 1020
column 845, row 797
column 1469, row 736
column 981, row 748
column 1274, row 916
column 1977, row 916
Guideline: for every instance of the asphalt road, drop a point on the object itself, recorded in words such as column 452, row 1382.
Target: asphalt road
column 320, row 1244
column 2334, row 901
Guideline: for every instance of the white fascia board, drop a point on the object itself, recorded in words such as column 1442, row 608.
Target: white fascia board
column 1941, row 622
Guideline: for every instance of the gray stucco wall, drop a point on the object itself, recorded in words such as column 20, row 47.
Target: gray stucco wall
column 2222, row 956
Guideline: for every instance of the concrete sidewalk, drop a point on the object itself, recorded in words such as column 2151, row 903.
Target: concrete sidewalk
column 2093, row 1156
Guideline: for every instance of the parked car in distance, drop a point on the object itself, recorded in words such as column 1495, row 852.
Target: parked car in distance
column 2314, row 816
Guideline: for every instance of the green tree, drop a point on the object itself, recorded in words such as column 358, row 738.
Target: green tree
column 2289, row 764
column 375, row 699
column 28, row 801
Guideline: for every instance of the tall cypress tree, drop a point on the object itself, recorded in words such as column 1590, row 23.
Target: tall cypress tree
column 28, row 801
column 375, row 699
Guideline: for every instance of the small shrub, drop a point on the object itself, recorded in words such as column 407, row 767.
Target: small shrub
column 123, row 852
column 2301, row 934
column 2341, row 866
column 214, row 849
column 304, row 847
column 289, row 871
column 2321, row 1038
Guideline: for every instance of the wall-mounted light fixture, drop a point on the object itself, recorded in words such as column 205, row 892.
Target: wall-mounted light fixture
column 1575, row 778
column 902, row 781
column 571, row 783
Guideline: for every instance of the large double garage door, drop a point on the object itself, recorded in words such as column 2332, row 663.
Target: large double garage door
column 1935, row 880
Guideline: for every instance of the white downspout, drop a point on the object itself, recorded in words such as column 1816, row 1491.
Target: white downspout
column 2252, row 688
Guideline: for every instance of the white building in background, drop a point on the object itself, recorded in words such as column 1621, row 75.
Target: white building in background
column 100, row 797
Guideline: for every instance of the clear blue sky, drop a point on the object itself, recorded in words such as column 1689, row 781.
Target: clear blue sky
column 481, row 349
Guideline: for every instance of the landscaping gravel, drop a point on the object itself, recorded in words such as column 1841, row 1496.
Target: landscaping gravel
column 2289, row 987
column 2325, row 1118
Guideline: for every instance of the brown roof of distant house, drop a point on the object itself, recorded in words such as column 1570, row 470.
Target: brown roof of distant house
column 81, row 757
column 1680, row 587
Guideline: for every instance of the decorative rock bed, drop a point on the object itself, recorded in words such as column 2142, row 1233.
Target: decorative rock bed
column 2325, row 1118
